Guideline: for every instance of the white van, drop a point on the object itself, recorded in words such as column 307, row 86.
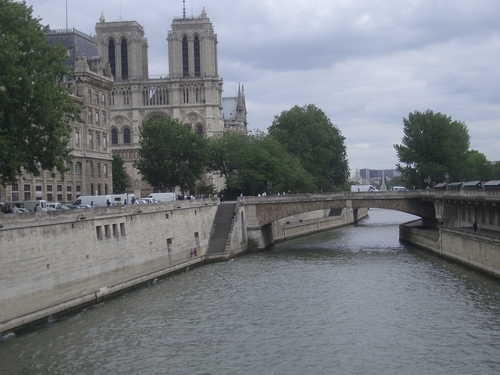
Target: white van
column 399, row 188
column 30, row 205
column 163, row 197
column 97, row 200
column 362, row 188
column 118, row 199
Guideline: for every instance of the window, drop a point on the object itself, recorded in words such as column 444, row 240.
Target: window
column 27, row 192
column 49, row 197
column 199, row 129
column 107, row 231
column 115, row 230
column 98, row 232
column 111, row 57
column 104, row 118
column 90, row 116
column 104, row 142
column 78, row 168
column 197, row 64
column 77, row 139
column 97, row 142
column 185, row 57
column 126, row 135
column 96, row 118
column 59, row 197
column 122, row 229
column 69, row 197
column 59, row 187
column 68, row 188
column 114, row 136
column 124, row 52
column 91, row 141
column 89, row 95
column 49, row 187
column 96, row 97
column 105, row 170
column 91, row 165
column 99, row 170
column 103, row 102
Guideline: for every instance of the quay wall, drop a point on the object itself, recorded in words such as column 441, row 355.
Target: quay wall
column 475, row 250
column 55, row 261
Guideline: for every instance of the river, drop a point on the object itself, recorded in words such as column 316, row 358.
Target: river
column 348, row 301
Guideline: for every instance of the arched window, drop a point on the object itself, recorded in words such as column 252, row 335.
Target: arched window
column 114, row 136
column 126, row 135
column 199, row 129
column 197, row 58
column 124, row 51
column 111, row 56
column 185, row 57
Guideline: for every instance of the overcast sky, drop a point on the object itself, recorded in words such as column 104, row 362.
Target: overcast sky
column 367, row 64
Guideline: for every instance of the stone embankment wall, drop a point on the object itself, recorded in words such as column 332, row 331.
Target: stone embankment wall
column 55, row 261
column 52, row 262
column 475, row 250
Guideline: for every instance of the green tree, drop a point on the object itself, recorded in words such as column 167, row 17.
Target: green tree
column 256, row 163
column 433, row 146
column 171, row 155
column 120, row 177
column 35, row 108
column 477, row 167
column 307, row 133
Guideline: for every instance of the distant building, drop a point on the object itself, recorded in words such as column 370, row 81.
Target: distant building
column 374, row 176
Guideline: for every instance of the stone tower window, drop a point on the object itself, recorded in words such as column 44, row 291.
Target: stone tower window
column 126, row 135
column 124, row 51
column 197, row 60
column 185, row 57
column 111, row 56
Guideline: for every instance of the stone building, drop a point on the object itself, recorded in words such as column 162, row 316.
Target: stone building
column 191, row 93
column 89, row 172
column 111, row 82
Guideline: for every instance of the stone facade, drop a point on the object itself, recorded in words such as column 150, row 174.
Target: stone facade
column 89, row 172
column 191, row 93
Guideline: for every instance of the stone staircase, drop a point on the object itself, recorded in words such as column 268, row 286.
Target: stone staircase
column 220, row 230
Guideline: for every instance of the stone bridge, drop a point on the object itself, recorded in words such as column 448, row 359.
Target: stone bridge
column 446, row 207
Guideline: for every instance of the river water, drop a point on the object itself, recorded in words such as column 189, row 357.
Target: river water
column 347, row 301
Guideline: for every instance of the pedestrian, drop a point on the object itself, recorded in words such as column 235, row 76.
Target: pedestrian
column 108, row 203
column 474, row 225
column 14, row 209
column 195, row 252
column 191, row 253
column 222, row 198
column 38, row 208
column 92, row 204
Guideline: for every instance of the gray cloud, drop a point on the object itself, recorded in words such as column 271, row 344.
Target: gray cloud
column 366, row 64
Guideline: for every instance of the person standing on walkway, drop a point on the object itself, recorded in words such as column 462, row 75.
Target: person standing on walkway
column 474, row 225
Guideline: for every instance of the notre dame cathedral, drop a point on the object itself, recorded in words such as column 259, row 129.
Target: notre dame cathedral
column 191, row 93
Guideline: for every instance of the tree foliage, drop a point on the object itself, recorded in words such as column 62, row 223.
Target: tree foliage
column 256, row 163
column 34, row 107
column 433, row 146
column 120, row 177
column 477, row 167
column 308, row 134
column 171, row 155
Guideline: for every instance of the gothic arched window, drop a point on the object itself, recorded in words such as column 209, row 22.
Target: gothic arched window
column 111, row 57
column 185, row 57
column 197, row 57
column 199, row 129
column 114, row 136
column 126, row 135
column 124, row 51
